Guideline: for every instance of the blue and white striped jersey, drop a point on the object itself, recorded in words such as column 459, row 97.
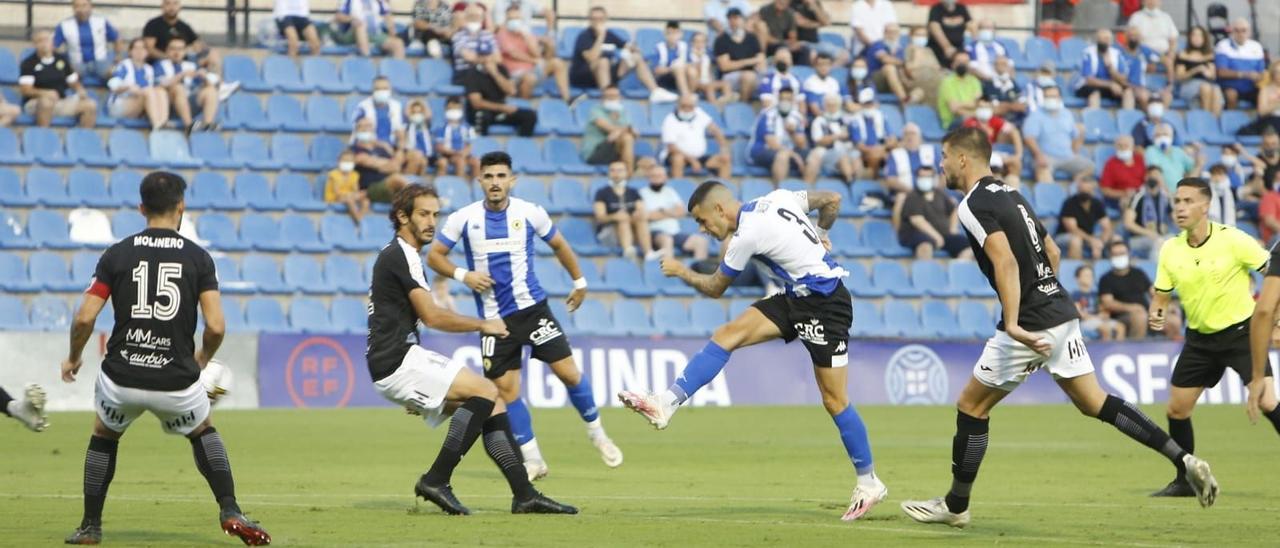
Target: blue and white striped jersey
column 501, row 244
column 89, row 40
column 775, row 229
column 126, row 73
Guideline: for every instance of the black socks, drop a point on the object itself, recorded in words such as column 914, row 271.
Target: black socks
column 5, row 398
column 211, row 460
column 967, row 449
column 500, row 445
column 1135, row 424
column 464, row 429
column 99, row 468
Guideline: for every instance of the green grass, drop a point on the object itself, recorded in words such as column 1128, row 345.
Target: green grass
column 723, row 477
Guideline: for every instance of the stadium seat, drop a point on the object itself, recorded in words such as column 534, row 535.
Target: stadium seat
column 86, row 147
column 437, row 75
column 241, row 68
column 375, row 232
column 290, row 150
column 325, row 113
column 484, row 145
column 83, row 265
column 625, row 276
column 892, row 278
column 50, row 313
column 12, row 233
column 124, row 187
column 244, row 111
column 47, row 187
column 1070, row 53
column 264, row 314
column 867, row 321
column 526, row 153
column 358, row 72
column 925, row 117
column 454, row 191
column 13, row 317
column 1231, row 122
column 1099, row 126
column 349, row 315
column 859, row 281
column 45, row 147
column 965, row 274
column 879, row 236
column 263, row 273
column 592, row 318
column 901, row 319
column 51, row 272
column 232, row 312
column 9, row 68
column 281, row 73
column 14, row 276
column 671, row 317
column 931, row 277
column 555, row 117
column 299, row 231
column 640, row 119
column 251, row 151
column 706, row 315
column 325, row 150
column 338, row 231
column 569, row 196
column 169, row 147
column 671, row 287
column 253, row 190
column 939, row 320
column 127, row 223
column 209, row 189
column 533, row 190
column 844, row 239
column 220, row 231
column 404, row 80
column 1049, row 197
column 631, row 318
column 303, row 273
column 286, row 113
column 976, row 318
column 552, row 278
column 1202, row 127
column 568, row 36
column 89, row 187
column 591, row 274
column 564, row 155
column 262, row 233
column 212, row 149
column 11, row 191
column 1036, row 52
column 581, row 235
column 714, row 112
column 9, row 151
column 319, row 73
column 344, row 273
column 128, row 147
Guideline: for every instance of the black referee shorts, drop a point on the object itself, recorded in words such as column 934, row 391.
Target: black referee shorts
column 1205, row 358
column 535, row 327
column 821, row 322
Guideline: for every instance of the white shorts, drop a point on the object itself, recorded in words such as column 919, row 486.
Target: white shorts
column 180, row 411
column 1005, row 363
column 421, row 384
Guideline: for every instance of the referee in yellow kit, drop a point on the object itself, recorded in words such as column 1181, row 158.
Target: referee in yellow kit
column 1208, row 264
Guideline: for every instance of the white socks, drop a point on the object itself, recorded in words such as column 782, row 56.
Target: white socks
column 669, row 402
column 868, row 480
column 530, row 450
column 595, row 429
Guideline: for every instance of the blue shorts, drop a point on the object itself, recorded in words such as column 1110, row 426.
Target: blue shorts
column 298, row 23
column 763, row 156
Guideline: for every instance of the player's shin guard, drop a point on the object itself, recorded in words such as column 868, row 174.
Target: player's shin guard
column 853, row 433
column 968, row 447
column 99, row 468
column 212, row 461
column 702, row 368
column 584, row 400
column 1135, row 424
column 464, row 429
column 521, row 421
column 497, row 444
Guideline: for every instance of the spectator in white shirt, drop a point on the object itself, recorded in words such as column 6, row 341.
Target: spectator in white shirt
column 868, row 19
column 665, row 208
column 985, row 50
column 293, row 20
column 90, row 41
column 1157, row 27
column 820, row 84
column 834, row 152
column 367, row 23
column 684, row 141
column 716, row 12
column 702, row 76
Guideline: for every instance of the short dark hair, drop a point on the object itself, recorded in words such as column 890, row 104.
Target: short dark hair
column 825, row 57
column 403, row 201
column 1118, row 242
column 1198, row 184
column 786, row 89
column 673, row 24
column 454, row 100
column 495, row 158
column 700, row 194
column 970, row 140
column 733, row 12
column 1154, row 168
column 161, row 192
column 1217, row 168
column 599, row 9
column 1082, row 268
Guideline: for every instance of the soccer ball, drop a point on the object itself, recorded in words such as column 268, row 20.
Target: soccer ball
column 216, row 380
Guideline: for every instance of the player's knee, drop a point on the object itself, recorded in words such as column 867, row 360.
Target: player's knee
column 487, row 390
column 834, row 403
column 1179, row 410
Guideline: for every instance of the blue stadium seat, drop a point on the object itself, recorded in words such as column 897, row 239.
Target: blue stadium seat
column 932, row 278
column 124, row 187
column 13, row 317
column 966, row 275
column 233, row 313
column 891, row 277
column 592, row 318
column 1099, row 126
column 706, row 316
column 844, row 239
column 555, row 117
column 299, row 232
column 859, row 281
column 9, row 151
column 11, row 191
column 751, row 189
column 713, row 111
column 1049, row 197
column 484, row 145
column 219, row 230
column 901, row 319
column 647, row 39
column 1231, row 122
column 671, row 317
column 319, row 73
column 592, row 275
column 325, row 113
column 244, row 111
column 302, row 273
column 437, row 75
column 580, row 234
column 251, row 150
column 976, row 318
column 47, row 187
column 527, row 155
column 738, row 306
column 938, row 319
column 570, row 196
column 83, row 265
column 564, row 154
column 927, row 118
column 739, row 119
column 241, row 68
column 253, row 190
column 128, row 147
column 209, row 189
column 344, row 273
column 52, row 272
column 49, row 229
column 879, row 236
column 86, row 147
column 375, row 232
column 286, row 113
column 9, row 68
column 291, row 150
column 1037, row 51
column 1202, row 127
column 338, row 231
column 568, row 36
column 867, row 321
column 671, row 287
column 126, row 223
column 625, row 276
column 264, row 314
column 281, row 73
column 169, row 147
column 359, row 73
column 640, row 120
column 454, row 191
column 263, row 272
column 12, row 233
column 1070, row 53
column 262, row 233
column 553, row 279
column 325, row 150
column 349, row 316
column 230, row 280
column 89, row 187
column 533, row 190
column 50, row 313
column 631, row 318
column 210, row 147
column 44, row 146
column 14, row 276
column 404, row 80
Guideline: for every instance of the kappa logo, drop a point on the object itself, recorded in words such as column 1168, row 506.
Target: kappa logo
column 915, row 375
column 841, row 347
column 812, row 332
column 546, row 331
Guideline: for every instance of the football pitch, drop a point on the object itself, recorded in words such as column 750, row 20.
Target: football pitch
column 717, row 477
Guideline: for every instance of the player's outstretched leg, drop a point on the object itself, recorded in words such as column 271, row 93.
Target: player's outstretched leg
column 583, row 399
column 215, row 466
column 499, row 445
column 29, row 410
column 99, row 468
column 464, row 429
column 1269, row 402
column 869, row 491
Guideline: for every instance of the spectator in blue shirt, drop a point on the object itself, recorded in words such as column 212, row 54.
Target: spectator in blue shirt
column 473, row 45
column 601, row 58
column 867, row 123
column 886, row 64
column 1003, row 92
column 984, row 51
column 820, row 84
column 716, row 12
column 190, row 89
column 1241, row 63
column 134, row 90
column 1104, row 71
column 1142, row 61
column 778, row 137
column 419, row 143
column 669, row 58
column 90, row 41
column 1144, row 131
column 1054, row 139
column 453, row 142
column 906, row 160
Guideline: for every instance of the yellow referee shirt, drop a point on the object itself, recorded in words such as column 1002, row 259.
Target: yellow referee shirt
column 1212, row 279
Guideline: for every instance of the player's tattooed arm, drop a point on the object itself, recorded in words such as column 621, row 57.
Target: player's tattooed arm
column 81, row 330
column 828, row 205
column 712, row 285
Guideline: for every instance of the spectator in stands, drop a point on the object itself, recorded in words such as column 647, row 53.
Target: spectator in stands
column 778, row 140
column 620, row 215
column 1246, row 183
column 1268, row 103
column 473, row 45
column 984, row 51
column 487, row 91
column 609, row 136
column 780, row 78
column 342, row 185
column 419, row 142
column 293, row 20
column 948, row 22
column 1174, row 162
column 1043, row 79
column 702, row 74
column 1269, row 216
column 1054, row 138
column 1123, row 173
column 886, row 63
column 1268, row 160
column 866, row 123
column 1156, row 31
column 190, row 90
column 834, row 150
column 777, row 31
column 810, row 18
column 907, row 159
column 1092, row 317
column 716, row 12
column 859, row 78
column 1125, row 293
column 91, row 42
column 820, row 84
column 999, row 131
column 134, row 90
column 1083, row 222
column 600, row 56
column 1241, row 63
column 377, row 163
column 1222, row 203
column 44, row 79
column 366, row 24
column 432, row 26
column 664, row 209
column 1195, row 74
column 159, row 30
column 1003, row 93
column 523, row 59
column 869, row 19
column 1150, row 215
column 959, row 92
column 1141, row 61
column 527, row 11
column 923, row 70
column 669, row 58
column 1144, row 130
column 684, row 141
column 739, row 56
column 926, row 220
column 386, row 112
column 8, row 112
column 1104, row 71
column 453, row 141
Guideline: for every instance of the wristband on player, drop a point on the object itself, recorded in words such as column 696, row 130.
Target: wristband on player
column 460, row 274
column 822, row 233
column 580, row 283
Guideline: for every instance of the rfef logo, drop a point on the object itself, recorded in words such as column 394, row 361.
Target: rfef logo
column 319, row 373
column 915, row 375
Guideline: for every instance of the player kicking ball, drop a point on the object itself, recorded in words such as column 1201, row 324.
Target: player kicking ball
column 427, row 383
column 816, row 308
column 497, row 234
column 28, row 410
column 155, row 280
column 1040, row 329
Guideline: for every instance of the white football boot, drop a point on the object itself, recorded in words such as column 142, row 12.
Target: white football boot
column 609, row 452
column 648, row 406
column 864, row 498
column 935, row 511
column 30, row 409
column 1201, row 480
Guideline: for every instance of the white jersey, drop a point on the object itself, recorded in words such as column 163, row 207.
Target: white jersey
column 775, row 229
column 501, row 244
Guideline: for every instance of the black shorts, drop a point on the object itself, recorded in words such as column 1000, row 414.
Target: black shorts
column 535, row 327
column 298, row 23
column 604, row 154
column 1085, row 91
column 667, row 81
column 1205, row 358
column 820, row 322
column 953, row 244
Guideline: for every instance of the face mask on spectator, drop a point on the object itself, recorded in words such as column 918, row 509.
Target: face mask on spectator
column 1124, row 155
column 618, row 183
column 1164, row 142
column 1053, row 105
column 858, row 73
column 924, row 184
column 738, row 34
column 1155, row 110
column 962, row 70
column 920, row 41
column 515, row 25
column 833, row 116
column 656, row 186
column 983, row 114
column 417, row 117
column 346, row 167
column 784, row 107
column 781, row 67
column 1120, row 262
column 1045, row 81
column 1228, row 160
column 685, row 116
column 381, row 95
column 453, row 114
column 1153, row 183
column 473, row 26
column 986, row 35
column 1102, row 48
column 364, row 136
column 612, row 105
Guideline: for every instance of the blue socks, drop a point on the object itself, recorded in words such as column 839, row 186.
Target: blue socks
column 521, row 422
column 704, row 367
column 854, row 436
column 583, row 400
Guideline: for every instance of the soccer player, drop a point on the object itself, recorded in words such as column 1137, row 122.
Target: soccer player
column 155, row 280
column 429, row 384
column 1039, row 328
column 1262, row 395
column 497, row 235
column 816, row 308
column 28, row 410
column 1208, row 264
